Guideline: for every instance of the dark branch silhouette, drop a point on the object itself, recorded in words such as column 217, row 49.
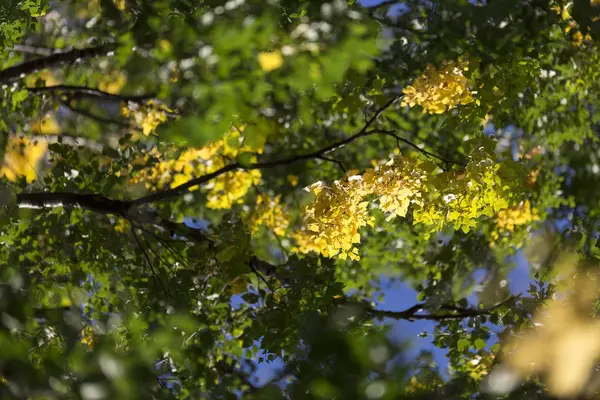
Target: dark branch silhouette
column 11, row 73
column 445, row 312
column 92, row 202
column 37, row 50
column 95, row 117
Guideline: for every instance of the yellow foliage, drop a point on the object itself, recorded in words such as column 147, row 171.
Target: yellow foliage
column 396, row 184
column 270, row 213
column 510, row 218
column 479, row 366
column 225, row 190
column 45, row 126
column 87, row 337
column 520, row 215
column 120, row 4
column 270, row 61
column 146, row 116
column 293, row 180
column 439, row 90
column 112, row 83
column 228, row 189
column 49, row 78
column 336, row 215
column 338, row 211
column 303, row 242
column 121, row 225
column 21, row 158
column 576, row 35
column 460, row 198
column 563, row 345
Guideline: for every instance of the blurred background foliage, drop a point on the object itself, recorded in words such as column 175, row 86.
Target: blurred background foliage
column 193, row 190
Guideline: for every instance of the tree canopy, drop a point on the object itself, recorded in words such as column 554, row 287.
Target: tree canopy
column 192, row 189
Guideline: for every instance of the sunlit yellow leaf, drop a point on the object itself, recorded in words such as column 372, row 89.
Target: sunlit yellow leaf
column 21, row 158
column 270, row 61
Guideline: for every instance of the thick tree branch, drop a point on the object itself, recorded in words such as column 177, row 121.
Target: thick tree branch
column 83, row 91
column 103, row 205
column 28, row 67
column 37, row 50
column 92, row 202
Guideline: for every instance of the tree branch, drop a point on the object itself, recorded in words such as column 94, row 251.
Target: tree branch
column 95, row 117
column 28, row 67
column 70, row 140
column 167, row 194
column 449, row 312
column 37, row 50
column 104, row 205
column 318, row 154
column 333, row 160
column 92, row 202
column 413, row 145
column 83, row 91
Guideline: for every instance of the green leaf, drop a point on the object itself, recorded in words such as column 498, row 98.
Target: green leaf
column 463, row 344
column 480, row 344
column 194, row 131
column 245, row 159
column 18, row 97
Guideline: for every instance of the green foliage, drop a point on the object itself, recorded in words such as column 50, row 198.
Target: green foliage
column 167, row 248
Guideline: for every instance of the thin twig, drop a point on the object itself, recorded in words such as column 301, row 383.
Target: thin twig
column 147, row 258
column 415, row 146
column 63, row 138
column 333, row 160
column 165, row 243
column 160, row 259
column 95, row 117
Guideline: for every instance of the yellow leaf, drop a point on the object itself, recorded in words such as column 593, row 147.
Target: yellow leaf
column 179, row 180
column 87, row 337
column 293, row 180
column 453, row 215
column 49, row 78
column 270, row 61
column 21, row 159
column 120, row 4
column 112, row 83
column 45, row 126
